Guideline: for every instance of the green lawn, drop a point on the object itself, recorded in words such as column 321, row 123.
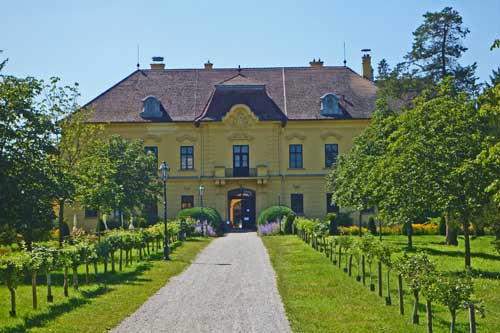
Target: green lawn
column 320, row 297
column 95, row 307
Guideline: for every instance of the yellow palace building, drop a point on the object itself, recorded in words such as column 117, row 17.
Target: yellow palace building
column 253, row 137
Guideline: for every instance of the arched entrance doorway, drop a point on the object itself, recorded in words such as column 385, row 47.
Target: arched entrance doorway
column 241, row 208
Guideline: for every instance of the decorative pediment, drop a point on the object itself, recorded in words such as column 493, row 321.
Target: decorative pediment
column 296, row 135
column 240, row 116
column 240, row 136
column 329, row 134
column 186, row 137
column 152, row 138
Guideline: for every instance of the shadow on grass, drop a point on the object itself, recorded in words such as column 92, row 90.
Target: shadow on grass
column 104, row 280
column 451, row 253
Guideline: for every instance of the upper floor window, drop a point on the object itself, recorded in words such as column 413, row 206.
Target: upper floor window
column 295, row 156
column 330, row 105
column 151, row 108
column 297, row 203
column 187, row 158
column 331, row 154
column 152, row 150
column 187, row 201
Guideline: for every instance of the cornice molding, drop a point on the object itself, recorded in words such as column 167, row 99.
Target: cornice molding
column 296, row 135
column 186, row 137
column 328, row 134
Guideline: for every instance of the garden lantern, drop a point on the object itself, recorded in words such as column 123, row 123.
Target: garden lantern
column 164, row 170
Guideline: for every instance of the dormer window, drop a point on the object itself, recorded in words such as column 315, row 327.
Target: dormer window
column 330, row 105
column 152, row 108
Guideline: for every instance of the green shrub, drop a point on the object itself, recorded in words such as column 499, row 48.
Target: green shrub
column 371, row 226
column 290, row 218
column 272, row 213
column 331, row 219
column 65, row 229
column 207, row 213
column 344, row 220
column 442, row 226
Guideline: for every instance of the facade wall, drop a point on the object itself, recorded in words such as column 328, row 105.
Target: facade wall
column 268, row 143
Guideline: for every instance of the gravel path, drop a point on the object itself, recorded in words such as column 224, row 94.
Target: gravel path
column 231, row 287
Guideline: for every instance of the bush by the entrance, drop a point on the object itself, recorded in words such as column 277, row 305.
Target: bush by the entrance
column 272, row 213
column 207, row 213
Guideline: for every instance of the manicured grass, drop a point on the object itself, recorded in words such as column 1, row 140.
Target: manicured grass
column 320, row 297
column 96, row 307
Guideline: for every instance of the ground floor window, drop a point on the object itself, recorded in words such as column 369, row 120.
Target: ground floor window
column 187, row 201
column 331, row 207
column 297, row 203
column 90, row 212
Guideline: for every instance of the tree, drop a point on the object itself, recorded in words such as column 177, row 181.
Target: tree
column 494, row 78
column 454, row 293
column 416, row 270
column 437, row 46
column 27, row 131
column 354, row 182
column 125, row 179
column 77, row 141
column 431, row 161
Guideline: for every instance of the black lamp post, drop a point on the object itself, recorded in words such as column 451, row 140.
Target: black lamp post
column 164, row 170
column 202, row 192
column 279, row 205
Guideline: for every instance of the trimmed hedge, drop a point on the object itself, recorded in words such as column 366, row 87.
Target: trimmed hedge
column 272, row 213
column 207, row 213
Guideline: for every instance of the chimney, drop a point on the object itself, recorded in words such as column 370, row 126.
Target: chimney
column 157, row 63
column 367, row 65
column 208, row 65
column 316, row 63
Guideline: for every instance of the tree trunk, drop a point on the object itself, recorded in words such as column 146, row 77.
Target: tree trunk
column 466, row 241
column 75, row 277
column 33, row 290
column 350, row 265
column 372, row 285
column 61, row 221
column 443, row 53
column 379, row 266
column 363, row 270
column 65, row 283
column 95, row 270
column 472, row 318
column 388, row 300
column 121, row 259
column 401, row 299
column 410, row 235
column 12, row 302
column 359, row 223
column 429, row 316
column 113, row 261
column 106, row 263
column 415, row 307
column 380, row 229
column 453, row 320
column 126, row 258
column 451, row 231
column 86, row 272
column 340, row 256
column 50, row 298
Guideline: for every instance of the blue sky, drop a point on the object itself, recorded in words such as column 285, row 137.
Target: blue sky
column 94, row 42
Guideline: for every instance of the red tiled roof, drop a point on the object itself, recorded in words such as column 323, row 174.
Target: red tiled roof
column 184, row 93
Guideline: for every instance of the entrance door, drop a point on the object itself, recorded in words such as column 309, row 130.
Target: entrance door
column 240, row 161
column 241, row 207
